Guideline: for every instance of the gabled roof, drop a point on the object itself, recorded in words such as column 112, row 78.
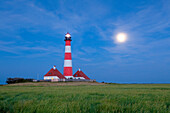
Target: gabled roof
column 80, row 74
column 54, row 72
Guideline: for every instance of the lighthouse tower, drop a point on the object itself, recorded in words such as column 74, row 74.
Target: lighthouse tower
column 68, row 73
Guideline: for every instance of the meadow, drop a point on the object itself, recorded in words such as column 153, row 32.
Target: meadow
column 109, row 98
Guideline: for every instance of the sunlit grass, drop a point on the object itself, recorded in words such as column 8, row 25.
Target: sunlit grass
column 105, row 98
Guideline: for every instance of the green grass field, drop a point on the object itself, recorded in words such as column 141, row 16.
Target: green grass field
column 131, row 98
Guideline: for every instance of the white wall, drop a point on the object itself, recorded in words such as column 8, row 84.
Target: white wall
column 79, row 78
column 50, row 77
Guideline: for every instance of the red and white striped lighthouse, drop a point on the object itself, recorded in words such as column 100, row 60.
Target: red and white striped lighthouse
column 68, row 73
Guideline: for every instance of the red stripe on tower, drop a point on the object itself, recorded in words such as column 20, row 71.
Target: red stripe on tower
column 68, row 73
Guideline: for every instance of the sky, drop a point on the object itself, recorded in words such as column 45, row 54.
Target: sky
column 32, row 36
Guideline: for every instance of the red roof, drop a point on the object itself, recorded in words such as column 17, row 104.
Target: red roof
column 55, row 72
column 80, row 74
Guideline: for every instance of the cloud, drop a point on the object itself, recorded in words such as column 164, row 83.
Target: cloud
column 5, row 43
column 148, row 20
column 25, row 14
column 155, row 51
column 143, row 22
column 35, row 17
column 29, row 51
column 148, row 35
column 89, row 50
column 85, row 54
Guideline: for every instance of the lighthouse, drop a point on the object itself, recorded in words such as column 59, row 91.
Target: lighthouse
column 68, row 73
column 54, row 75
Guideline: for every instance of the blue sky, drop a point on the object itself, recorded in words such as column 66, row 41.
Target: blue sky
column 32, row 38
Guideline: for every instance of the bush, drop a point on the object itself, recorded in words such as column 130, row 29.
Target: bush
column 18, row 80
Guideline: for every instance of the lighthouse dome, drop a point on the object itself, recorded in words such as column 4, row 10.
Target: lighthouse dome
column 67, row 36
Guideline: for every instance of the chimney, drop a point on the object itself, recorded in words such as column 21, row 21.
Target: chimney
column 54, row 67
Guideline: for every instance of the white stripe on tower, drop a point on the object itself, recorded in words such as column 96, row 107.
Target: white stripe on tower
column 67, row 63
column 67, row 49
column 68, row 73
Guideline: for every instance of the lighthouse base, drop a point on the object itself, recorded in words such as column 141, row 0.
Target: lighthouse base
column 69, row 77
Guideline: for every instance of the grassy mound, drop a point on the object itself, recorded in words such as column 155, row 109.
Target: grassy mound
column 56, row 84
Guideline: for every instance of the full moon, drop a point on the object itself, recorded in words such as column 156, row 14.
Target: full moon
column 121, row 37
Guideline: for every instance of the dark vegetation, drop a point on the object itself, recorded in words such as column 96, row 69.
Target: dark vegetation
column 18, row 80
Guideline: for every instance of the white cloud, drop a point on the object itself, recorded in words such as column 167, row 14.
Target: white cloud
column 29, row 51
